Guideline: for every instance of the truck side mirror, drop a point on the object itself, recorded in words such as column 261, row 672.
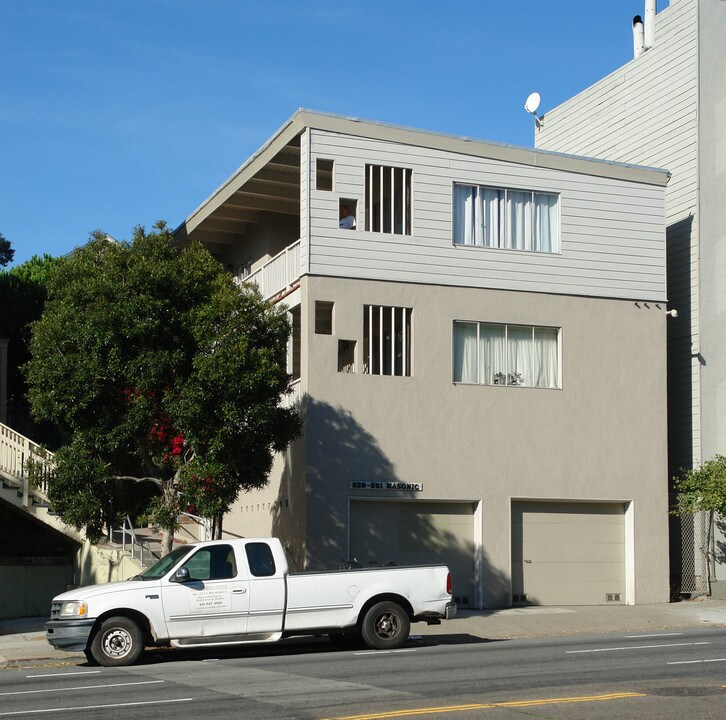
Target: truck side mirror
column 181, row 575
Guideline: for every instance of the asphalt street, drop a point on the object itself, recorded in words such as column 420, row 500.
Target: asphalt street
column 663, row 675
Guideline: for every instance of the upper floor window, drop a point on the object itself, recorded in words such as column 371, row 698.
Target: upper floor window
column 323, row 174
column 386, row 340
column 520, row 355
column 388, row 199
column 506, row 219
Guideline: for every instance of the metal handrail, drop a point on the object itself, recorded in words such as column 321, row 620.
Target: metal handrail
column 205, row 524
column 127, row 528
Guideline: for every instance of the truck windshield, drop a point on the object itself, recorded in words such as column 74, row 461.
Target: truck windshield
column 166, row 563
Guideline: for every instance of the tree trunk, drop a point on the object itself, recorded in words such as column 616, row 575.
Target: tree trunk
column 167, row 540
column 169, row 495
column 217, row 527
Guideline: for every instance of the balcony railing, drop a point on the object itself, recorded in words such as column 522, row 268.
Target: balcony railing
column 27, row 463
column 278, row 274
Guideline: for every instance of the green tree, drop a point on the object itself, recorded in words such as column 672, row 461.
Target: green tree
column 160, row 370
column 23, row 291
column 6, row 251
column 703, row 488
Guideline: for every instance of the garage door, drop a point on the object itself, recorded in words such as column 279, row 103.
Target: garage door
column 413, row 533
column 568, row 553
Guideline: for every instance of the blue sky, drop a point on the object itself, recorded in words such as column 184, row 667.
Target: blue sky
column 115, row 113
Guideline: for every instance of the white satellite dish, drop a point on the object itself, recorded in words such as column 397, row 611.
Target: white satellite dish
column 532, row 103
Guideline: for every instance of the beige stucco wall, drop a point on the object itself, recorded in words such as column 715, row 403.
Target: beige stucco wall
column 601, row 437
column 94, row 565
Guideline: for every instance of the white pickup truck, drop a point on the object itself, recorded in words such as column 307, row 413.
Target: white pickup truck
column 227, row 592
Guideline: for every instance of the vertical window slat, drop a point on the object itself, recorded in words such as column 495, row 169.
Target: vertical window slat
column 380, row 200
column 393, row 341
column 393, row 200
column 370, row 339
column 404, row 341
column 404, row 193
column 370, row 197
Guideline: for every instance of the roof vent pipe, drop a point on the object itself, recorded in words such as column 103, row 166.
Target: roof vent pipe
column 638, row 37
column 649, row 23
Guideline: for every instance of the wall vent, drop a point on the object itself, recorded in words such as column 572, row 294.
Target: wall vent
column 613, row 597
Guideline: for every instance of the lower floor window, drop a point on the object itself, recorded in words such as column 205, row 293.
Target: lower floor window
column 494, row 354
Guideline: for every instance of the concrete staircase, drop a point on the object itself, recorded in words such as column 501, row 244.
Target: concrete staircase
column 26, row 489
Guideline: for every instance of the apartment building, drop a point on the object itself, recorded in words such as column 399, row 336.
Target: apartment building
column 480, row 361
column 665, row 108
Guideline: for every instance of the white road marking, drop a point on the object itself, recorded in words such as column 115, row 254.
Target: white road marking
column 386, row 652
column 693, row 662
column 633, row 637
column 81, row 687
column 634, row 647
column 82, row 672
column 94, row 707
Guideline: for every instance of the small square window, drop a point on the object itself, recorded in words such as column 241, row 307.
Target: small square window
column 323, row 318
column 346, row 356
column 323, row 174
column 347, row 210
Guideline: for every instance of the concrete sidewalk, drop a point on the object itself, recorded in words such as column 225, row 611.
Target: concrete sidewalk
column 23, row 643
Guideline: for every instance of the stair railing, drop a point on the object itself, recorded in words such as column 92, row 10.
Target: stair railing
column 134, row 541
column 27, row 463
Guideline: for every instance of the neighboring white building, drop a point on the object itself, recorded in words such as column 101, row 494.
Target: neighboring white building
column 481, row 364
column 666, row 108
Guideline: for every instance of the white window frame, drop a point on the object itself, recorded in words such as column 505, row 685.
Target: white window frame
column 507, row 379
column 503, row 240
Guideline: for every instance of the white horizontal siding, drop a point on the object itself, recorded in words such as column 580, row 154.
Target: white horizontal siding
column 647, row 113
column 612, row 241
column 306, row 182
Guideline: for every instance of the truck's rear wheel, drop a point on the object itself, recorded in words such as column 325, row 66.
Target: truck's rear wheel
column 119, row 641
column 385, row 626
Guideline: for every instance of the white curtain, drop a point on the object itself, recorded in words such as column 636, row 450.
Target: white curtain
column 465, row 370
column 519, row 351
column 481, row 215
column 546, row 220
column 465, row 215
column 519, row 220
column 492, row 356
column 506, row 355
column 545, row 357
column 491, row 211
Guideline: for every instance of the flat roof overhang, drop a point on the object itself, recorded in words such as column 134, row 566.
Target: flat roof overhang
column 269, row 181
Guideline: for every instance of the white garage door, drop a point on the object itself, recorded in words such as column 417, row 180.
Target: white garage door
column 416, row 532
column 568, row 553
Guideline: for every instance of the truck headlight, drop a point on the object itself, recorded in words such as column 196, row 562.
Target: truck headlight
column 74, row 608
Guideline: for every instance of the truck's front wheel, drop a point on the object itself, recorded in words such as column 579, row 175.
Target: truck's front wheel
column 119, row 641
column 385, row 626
